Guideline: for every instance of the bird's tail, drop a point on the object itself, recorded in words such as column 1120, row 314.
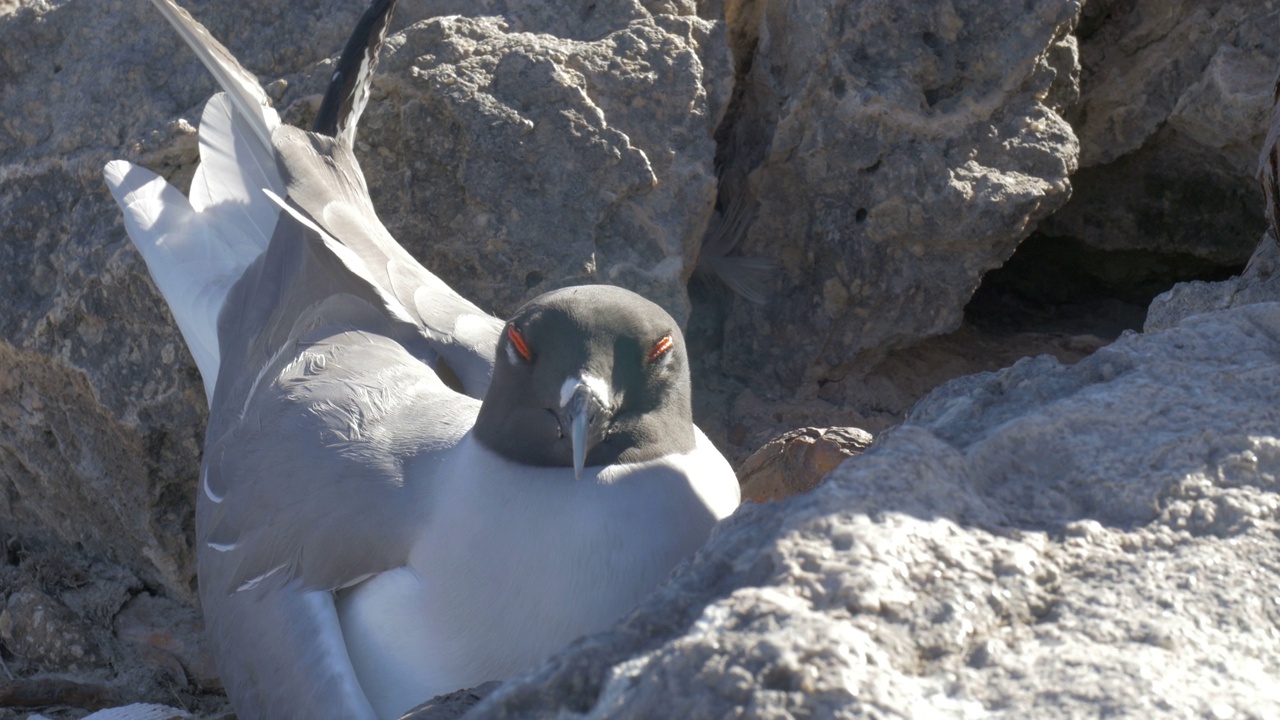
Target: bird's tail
column 196, row 248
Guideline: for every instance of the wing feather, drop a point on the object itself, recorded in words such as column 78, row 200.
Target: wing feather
column 241, row 85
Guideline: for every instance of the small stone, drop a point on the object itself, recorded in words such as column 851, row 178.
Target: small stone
column 797, row 461
column 42, row 630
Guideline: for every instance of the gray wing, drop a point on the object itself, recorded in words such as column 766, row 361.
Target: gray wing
column 323, row 429
column 319, row 482
column 324, row 180
column 325, row 392
column 323, row 476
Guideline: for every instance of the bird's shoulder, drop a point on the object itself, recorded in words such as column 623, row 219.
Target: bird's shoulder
column 325, row 470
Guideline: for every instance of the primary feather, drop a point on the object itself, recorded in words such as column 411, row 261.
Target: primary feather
column 197, row 247
column 240, row 85
column 193, row 262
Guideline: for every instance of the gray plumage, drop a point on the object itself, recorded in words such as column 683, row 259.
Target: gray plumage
column 363, row 544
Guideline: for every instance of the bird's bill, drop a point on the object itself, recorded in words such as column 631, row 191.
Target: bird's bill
column 587, row 417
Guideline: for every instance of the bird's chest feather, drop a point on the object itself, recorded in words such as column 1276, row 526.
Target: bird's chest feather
column 515, row 562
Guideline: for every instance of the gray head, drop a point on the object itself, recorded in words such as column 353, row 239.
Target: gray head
column 586, row 376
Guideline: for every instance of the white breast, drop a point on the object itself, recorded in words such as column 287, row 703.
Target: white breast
column 515, row 562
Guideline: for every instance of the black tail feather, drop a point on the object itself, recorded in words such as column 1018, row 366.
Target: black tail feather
column 348, row 90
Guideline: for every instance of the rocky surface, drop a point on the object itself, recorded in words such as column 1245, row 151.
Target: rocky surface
column 1032, row 541
column 885, row 158
column 1174, row 98
column 1259, row 283
column 516, row 155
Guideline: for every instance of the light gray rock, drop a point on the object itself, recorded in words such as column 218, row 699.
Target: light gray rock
column 512, row 161
column 1260, row 282
column 42, row 630
column 1043, row 541
column 168, row 635
column 1174, row 103
column 886, row 157
column 452, row 705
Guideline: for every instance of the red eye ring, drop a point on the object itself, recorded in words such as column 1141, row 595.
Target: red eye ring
column 660, row 348
column 518, row 342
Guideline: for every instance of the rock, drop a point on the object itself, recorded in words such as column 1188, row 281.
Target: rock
column 514, row 163
column 168, row 635
column 44, row 692
column 1260, row 282
column 1045, row 540
column 453, row 705
column 886, row 159
column 797, row 461
column 1174, row 98
column 1268, row 170
column 42, row 630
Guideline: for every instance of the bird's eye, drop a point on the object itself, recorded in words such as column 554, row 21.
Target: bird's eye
column 519, row 344
column 660, row 348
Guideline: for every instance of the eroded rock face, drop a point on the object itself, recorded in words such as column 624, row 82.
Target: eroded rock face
column 521, row 154
column 887, row 155
column 795, row 462
column 1043, row 540
column 1174, row 103
column 1260, row 282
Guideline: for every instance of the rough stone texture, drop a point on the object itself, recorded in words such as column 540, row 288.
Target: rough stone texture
column 1173, row 108
column 453, row 705
column 1260, row 282
column 38, row 627
column 1046, row 540
column 887, row 155
column 514, row 163
column 168, row 635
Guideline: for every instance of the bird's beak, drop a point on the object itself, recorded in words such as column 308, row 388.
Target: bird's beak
column 585, row 420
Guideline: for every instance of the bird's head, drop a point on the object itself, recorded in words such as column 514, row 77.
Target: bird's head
column 588, row 376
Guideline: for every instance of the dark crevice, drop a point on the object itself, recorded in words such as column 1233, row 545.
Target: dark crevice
column 1062, row 285
column 723, row 277
column 737, row 152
